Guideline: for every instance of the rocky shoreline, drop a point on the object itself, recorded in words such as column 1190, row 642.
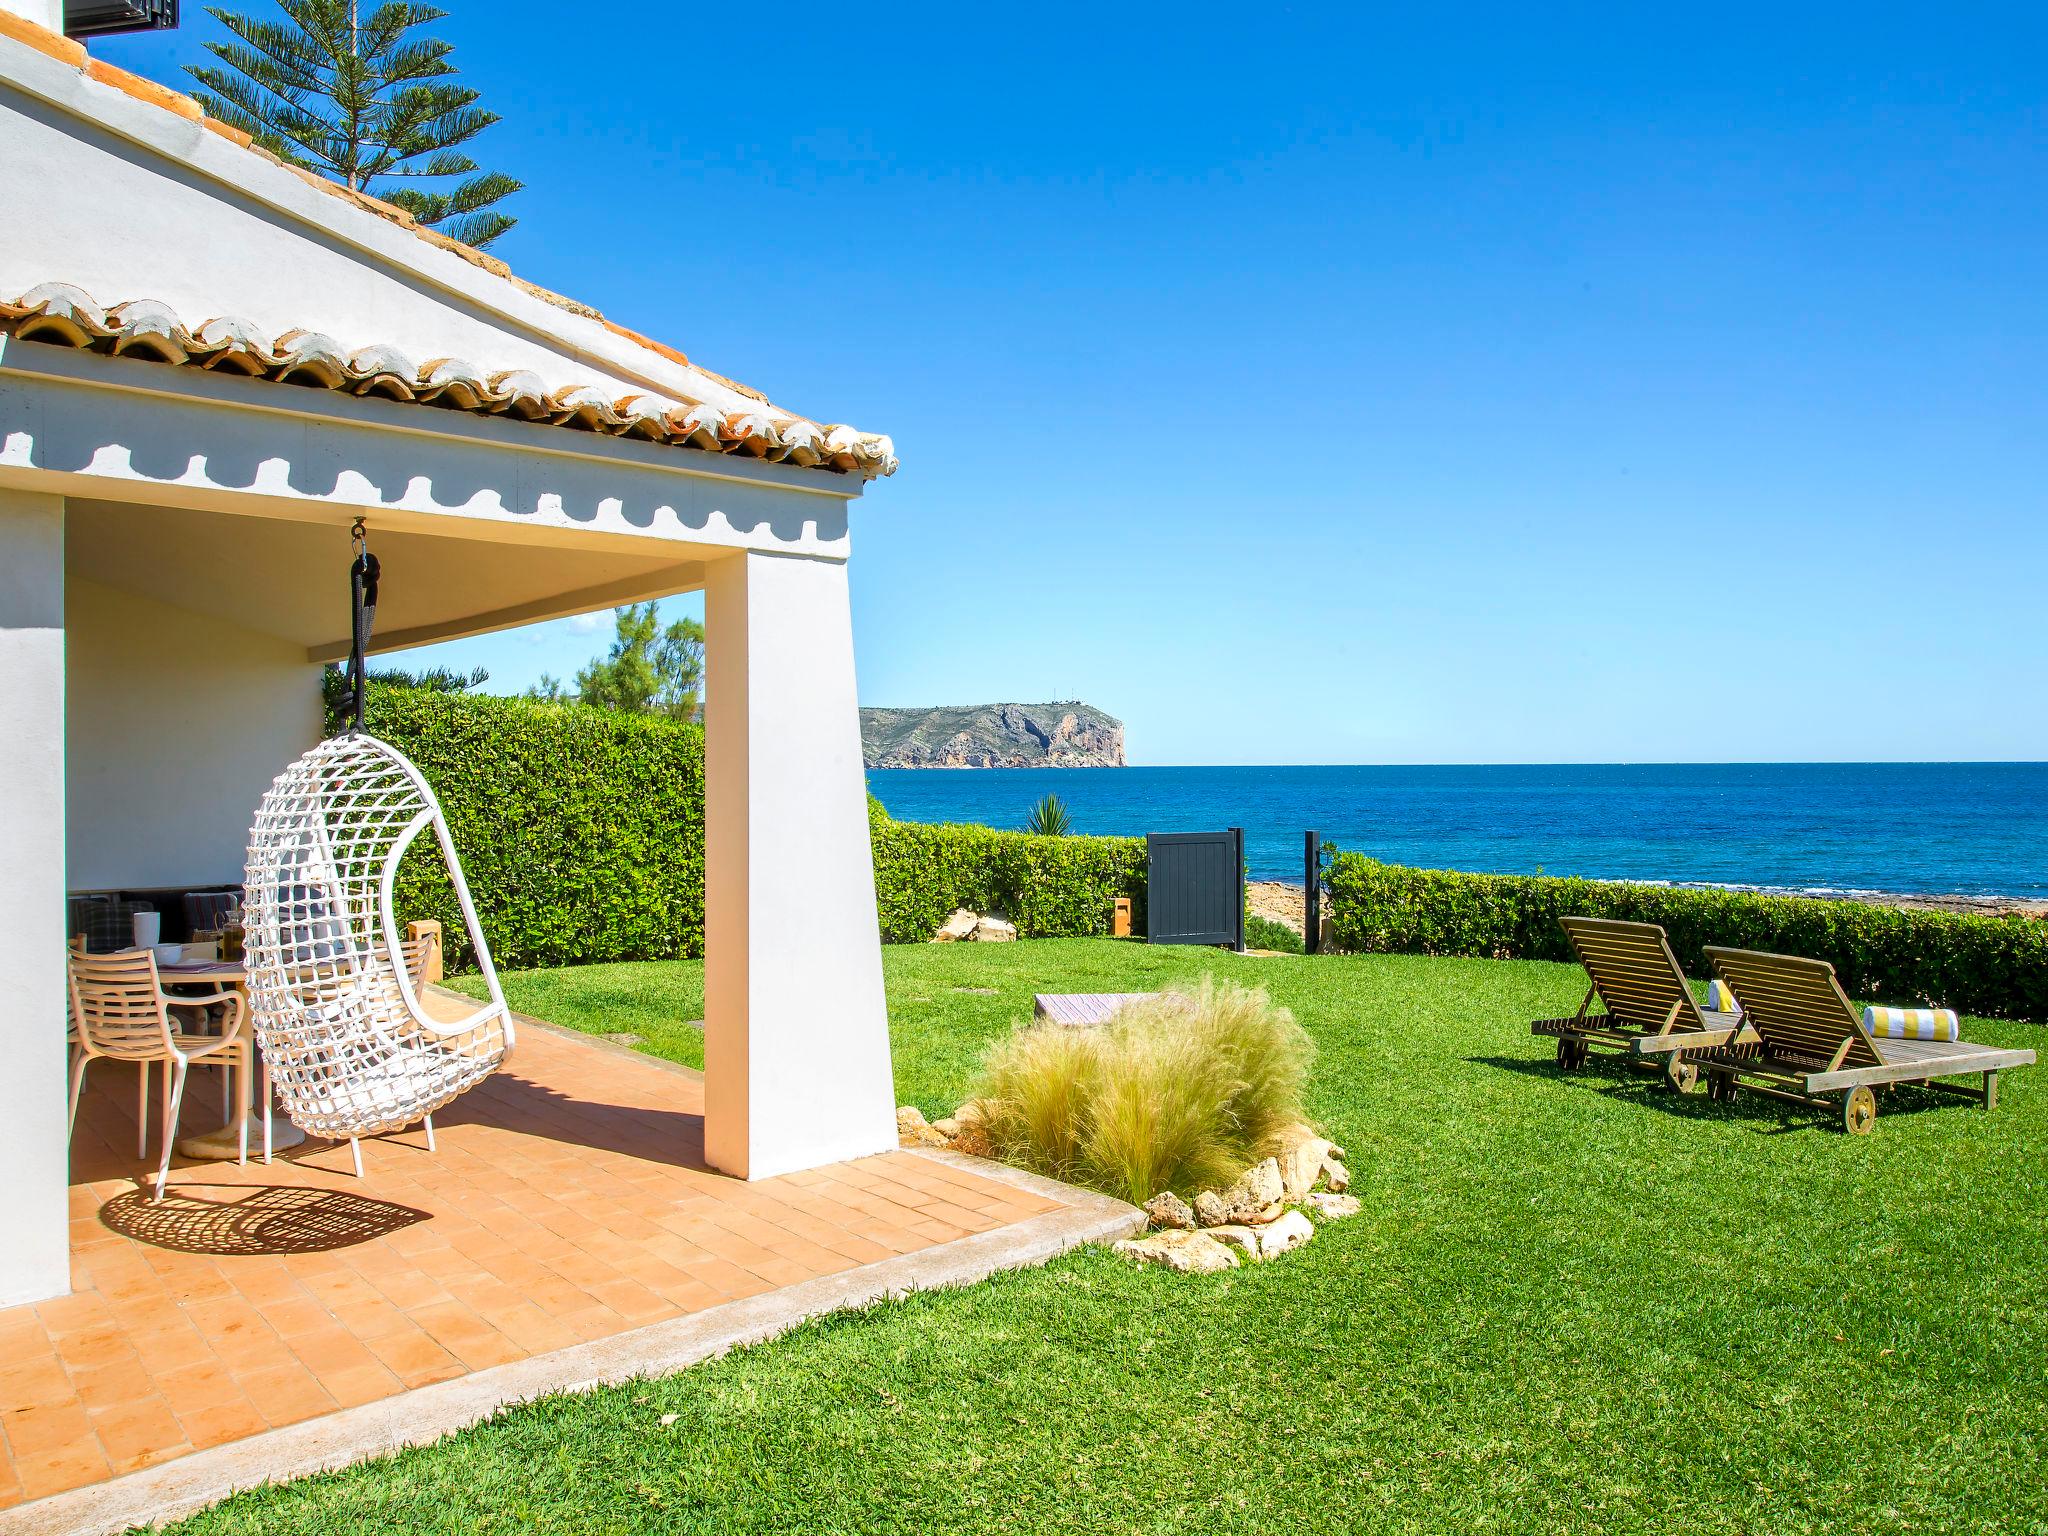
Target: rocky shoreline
column 1284, row 902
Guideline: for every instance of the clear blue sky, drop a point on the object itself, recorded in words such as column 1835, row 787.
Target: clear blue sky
column 1355, row 383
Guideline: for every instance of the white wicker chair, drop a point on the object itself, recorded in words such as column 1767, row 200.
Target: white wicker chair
column 352, row 1048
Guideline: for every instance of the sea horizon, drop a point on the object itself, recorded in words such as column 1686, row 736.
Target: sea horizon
column 1955, row 828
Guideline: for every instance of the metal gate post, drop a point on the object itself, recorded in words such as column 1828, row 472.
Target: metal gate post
column 1312, row 873
column 1237, row 848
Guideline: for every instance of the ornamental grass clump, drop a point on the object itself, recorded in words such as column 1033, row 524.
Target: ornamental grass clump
column 1182, row 1091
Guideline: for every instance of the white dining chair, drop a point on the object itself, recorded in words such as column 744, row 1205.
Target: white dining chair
column 121, row 1012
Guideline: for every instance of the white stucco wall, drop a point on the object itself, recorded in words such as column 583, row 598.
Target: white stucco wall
column 34, row 1255
column 176, row 724
column 44, row 13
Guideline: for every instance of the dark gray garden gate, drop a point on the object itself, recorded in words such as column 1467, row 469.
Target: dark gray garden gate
column 1195, row 888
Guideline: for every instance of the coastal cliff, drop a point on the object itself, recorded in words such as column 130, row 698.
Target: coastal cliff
column 1067, row 734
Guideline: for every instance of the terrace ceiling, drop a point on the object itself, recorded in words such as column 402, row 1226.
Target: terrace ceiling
column 289, row 578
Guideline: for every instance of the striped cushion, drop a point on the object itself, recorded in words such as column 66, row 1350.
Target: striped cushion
column 1720, row 999
column 1911, row 1023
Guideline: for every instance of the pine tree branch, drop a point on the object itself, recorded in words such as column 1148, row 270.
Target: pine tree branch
column 359, row 98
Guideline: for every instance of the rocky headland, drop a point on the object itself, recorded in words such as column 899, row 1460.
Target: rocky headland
column 1066, row 734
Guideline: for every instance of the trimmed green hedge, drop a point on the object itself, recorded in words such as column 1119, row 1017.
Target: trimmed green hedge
column 582, row 834
column 581, row 831
column 1050, row 887
column 1987, row 966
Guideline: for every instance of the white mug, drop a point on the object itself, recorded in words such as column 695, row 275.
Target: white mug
column 149, row 928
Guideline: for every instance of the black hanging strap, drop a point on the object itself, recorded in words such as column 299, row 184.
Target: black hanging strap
column 362, row 603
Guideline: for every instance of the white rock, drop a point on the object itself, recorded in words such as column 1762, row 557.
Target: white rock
column 957, row 927
column 1334, row 1207
column 1185, row 1253
column 993, row 930
column 1285, row 1235
column 1336, row 1175
column 1245, row 1240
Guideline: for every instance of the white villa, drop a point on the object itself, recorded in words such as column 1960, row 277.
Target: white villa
column 211, row 365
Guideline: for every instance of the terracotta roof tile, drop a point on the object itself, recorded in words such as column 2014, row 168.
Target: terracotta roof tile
column 837, row 447
column 144, row 90
column 67, row 316
column 649, row 343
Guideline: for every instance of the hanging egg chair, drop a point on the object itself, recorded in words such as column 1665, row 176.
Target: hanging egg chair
column 332, row 991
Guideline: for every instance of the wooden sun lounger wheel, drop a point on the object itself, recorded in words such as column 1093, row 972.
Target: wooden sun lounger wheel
column 1859, row 1111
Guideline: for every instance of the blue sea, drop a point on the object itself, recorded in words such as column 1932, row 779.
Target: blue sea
column 1975, row 829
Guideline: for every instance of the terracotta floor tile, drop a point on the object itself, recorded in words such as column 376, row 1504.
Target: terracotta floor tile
column 170, row 1343
column 414, row 1358
column 286, row 1394
column 139, row 1433
column 65, row 1315
column 408, row 1289
column 814, row 1257
column 534, row 1330
column 74, row 1466
column 331, row 1351
column 465, row 1335
column 859, row 1250
column 47, row 1430
column 34, row 1383
column 221, row 1422
column 195, row 1387
column 365, row 1384
column 631, row 1300
column 959, row 1216
column 780, row 1271
column 108, row 1386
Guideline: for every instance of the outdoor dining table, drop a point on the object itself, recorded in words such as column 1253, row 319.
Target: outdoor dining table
column 224, row 1144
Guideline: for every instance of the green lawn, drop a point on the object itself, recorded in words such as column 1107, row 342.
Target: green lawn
column 1573, row 1303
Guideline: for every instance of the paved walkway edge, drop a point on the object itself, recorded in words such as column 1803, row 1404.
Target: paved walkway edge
column 159, row 1495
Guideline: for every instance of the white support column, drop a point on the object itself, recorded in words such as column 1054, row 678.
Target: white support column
column 796, row 1034
column 35, row 1259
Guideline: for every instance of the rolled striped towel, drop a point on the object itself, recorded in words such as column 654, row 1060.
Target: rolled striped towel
column 1720, row 999
column 1912, row 1023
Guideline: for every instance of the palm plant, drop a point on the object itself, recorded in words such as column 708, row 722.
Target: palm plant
column 1048, row 818
column 359, row 99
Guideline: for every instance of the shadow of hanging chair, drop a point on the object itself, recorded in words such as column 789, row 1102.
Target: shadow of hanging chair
column 354, row 1048
column 272, row 1219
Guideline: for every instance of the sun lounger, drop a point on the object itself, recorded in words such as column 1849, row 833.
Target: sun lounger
column 1645, row 994
column 1812, row 1044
